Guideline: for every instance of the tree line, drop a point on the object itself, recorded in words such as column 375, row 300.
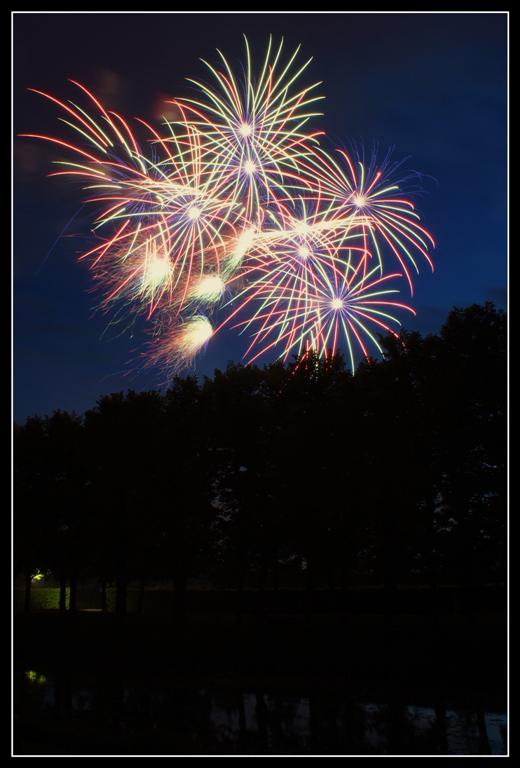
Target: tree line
column 396, row 474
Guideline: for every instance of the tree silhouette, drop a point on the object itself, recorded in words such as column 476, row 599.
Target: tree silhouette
column 299, row 471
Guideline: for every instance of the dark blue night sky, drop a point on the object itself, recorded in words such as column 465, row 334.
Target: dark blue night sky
column 431, row 85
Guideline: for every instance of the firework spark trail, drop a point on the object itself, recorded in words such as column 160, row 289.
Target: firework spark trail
column 368, row 194
column 253, row 128
column 297, row 302
column 234, row 208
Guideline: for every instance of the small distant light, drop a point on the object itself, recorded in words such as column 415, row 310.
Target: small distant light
column 34, row 677
column 336, row 303
column 37, row 576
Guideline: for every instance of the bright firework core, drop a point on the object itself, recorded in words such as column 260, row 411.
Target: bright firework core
column 194, row 212
column 209, row 288
column 336, row 303
column 195, row 334
column 245, row 130
column 156, row 271
column 301, row 227
column 359, row 201
column 304, row 252
column 249, row 167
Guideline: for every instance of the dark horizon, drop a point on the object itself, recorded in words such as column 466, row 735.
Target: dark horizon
column 431, row 85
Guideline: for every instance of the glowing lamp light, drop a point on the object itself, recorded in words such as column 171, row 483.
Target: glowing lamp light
column 37, row 576
column 35, row 677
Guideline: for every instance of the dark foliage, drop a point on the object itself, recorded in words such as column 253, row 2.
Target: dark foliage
column 300, row 474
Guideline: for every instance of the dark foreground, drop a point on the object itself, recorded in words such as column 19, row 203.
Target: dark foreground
column 285, row 684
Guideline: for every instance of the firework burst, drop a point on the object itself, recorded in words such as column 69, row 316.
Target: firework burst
column 322, row 301
column 367, row 196
column 233, row 215
column 253, row 127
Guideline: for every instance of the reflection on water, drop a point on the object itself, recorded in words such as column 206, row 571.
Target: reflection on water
column 109, row 716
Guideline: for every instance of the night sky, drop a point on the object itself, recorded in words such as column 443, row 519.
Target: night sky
column 432, row 85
